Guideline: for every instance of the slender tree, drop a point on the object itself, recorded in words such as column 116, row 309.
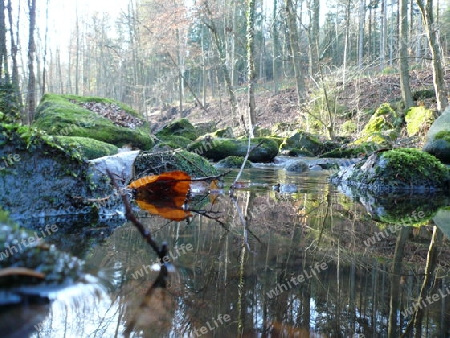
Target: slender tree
column 426, row 8
column 251, row 74
column 31, row 93
column 403, row 51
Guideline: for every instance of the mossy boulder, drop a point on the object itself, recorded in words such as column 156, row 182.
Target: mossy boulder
column 88, row 147
column 233, row 162
column 263, row 149
column 174, row 142
column 302, row 140
column 180, row 127
column 437, row 141
column 418, row 119
column 353, row 150
column 40, row 177
column 101, row 119
column 155, row 163
column 20, row 248
column 382, row 128
column 396, row 170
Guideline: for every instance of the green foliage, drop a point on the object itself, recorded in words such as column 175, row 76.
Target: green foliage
column 424, row 94
column 348, row 128
column 9, row 102
column 88, row 148
column 417, row 118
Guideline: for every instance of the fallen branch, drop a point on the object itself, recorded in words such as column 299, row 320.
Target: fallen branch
column 161, row 252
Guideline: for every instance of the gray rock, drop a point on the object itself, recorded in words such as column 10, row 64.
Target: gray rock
column 298, row 166
column 437, row 141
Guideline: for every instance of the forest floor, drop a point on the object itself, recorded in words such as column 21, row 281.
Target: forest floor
column 360, row 96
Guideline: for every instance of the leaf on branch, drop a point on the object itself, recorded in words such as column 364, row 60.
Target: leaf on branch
column 163, row 194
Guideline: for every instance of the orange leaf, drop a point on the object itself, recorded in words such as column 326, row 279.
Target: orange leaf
column 170, row 183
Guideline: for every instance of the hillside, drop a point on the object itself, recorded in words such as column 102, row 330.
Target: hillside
column 356, row 101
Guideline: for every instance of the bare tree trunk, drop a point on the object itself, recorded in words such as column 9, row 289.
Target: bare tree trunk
column 426, row 7
column 362, row 17
column 404, row 63
column 295, row 49
column 314, row 38
column 31, row 94
column 251, row 66
column 220, row 49
column 275, row 46
column 3, row 51
column 347, row 39
column 44, row 61
column 14, row 49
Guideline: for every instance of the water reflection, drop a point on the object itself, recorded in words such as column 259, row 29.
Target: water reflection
column 302, row 267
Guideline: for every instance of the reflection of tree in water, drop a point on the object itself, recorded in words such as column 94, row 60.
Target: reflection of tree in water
column 232, row 271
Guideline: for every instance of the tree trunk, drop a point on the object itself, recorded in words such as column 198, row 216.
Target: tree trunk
column 295, row 49
column 426, row 8
column 3, row 51
column 404, row 62
column 31, row 94
column 251, row 66
column 362, row 17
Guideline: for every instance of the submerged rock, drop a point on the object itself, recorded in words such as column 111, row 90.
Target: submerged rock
column 26, row 260
column 297, row 166
column 398, row 171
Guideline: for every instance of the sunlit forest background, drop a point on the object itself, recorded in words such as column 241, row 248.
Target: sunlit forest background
column 154, row 53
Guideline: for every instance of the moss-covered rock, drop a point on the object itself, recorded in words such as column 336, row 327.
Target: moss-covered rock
column 174, row 142
column 299, row 152
column 397, row 170
column 155, row 163
column 304, row 141
column 68, row 115
column 20, row 248
column 180, row 127
column 233, row 162
column 382, row 128
column 353, row 150
column 418, row 119
column 437, row 141
column 88, row 147
column 264, row 149
column 39, row 177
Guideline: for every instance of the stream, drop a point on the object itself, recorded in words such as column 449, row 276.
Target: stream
column 288, row 255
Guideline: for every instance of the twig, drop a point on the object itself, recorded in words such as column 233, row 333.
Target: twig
column 161, row 252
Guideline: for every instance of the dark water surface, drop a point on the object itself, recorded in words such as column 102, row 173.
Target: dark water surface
column 310, row 263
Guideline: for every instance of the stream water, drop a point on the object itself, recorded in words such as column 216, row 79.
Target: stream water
column 309, row 262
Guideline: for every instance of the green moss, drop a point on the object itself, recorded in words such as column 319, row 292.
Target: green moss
column 408, row 164
column 264, row 149
column 181, row 127
column 88, row 148
column 382, row 127
column 175, row 141
column 443, row 135
column 417, row 118
column 353, row 150
column 60, row 117
column 234, row 162
column 147, row 163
